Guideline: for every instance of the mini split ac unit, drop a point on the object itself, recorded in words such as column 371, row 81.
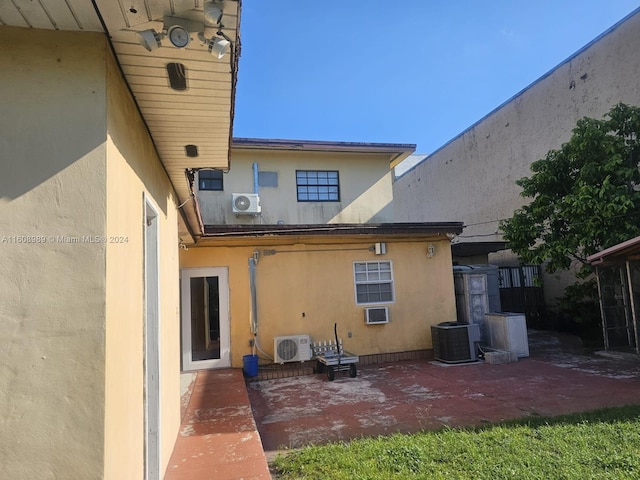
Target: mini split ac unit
column 375, row 315
column 248, row 203
column 293, row 348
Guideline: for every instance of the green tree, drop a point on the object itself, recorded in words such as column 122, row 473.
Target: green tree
column 585, row 196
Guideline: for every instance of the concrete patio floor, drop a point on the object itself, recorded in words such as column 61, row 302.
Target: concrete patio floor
column 556, row 378
column 218, row 437
column 231, row 427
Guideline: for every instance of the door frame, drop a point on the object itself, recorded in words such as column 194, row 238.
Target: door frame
column 152, row 347
column 188, row 364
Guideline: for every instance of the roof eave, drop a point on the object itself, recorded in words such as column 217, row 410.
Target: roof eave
column 616, row 251
column 404, row 229
column 396, row 151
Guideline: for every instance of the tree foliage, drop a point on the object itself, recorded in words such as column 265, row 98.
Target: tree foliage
column 585, row 196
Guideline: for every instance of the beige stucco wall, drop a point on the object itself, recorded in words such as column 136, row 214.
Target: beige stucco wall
column 472, row 178
column 133, row 172
column 365, row 189
column 75, row 160
column 305, row 288
column 52, row 302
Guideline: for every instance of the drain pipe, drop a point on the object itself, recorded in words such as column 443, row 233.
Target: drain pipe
column 253, row 315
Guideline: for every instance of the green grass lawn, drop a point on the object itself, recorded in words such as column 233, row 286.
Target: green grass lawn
column 602, row 444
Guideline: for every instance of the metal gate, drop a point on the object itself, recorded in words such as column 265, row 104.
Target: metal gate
column 521, row 292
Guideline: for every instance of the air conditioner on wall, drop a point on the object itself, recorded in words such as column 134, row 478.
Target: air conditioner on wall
column 245, row 203
column 375, row 315
column 292, row 348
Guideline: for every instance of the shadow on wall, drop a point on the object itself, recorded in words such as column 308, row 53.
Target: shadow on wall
column 374, row 205
column 52, row 105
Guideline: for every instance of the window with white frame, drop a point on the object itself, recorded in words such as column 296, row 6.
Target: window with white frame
column 373, row 282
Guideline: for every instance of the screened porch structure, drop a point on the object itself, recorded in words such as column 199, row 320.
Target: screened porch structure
column 618, row 275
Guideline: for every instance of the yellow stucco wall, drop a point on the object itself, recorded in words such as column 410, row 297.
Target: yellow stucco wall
column 365, row 189
column 134, row 171
column 316, row 280
column 75, row 160
column 52, row 302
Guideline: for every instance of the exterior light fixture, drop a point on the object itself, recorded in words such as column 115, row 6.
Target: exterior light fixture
column 380, row 248
column 213, row 12
column 218, row 47
column 149, row 39
column 179, row 31
column 431, row 250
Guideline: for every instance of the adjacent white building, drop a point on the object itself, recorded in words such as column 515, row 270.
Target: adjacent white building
column 472, row 177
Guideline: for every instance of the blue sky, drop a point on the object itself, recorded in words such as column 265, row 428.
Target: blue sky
column 399, row 71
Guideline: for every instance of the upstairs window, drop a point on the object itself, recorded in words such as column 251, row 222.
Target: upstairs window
column 318, row 186
column 373, row 282
column 210, row 180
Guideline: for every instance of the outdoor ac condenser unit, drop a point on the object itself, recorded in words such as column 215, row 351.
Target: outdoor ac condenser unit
column 455, row 342
column 245, row 203
column 292, row 348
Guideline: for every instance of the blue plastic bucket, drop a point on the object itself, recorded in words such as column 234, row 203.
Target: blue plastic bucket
column 250, row 365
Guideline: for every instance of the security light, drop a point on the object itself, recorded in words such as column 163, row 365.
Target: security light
column 179, row 31
column 149, row 39
column 213, row 12
column 218, row 47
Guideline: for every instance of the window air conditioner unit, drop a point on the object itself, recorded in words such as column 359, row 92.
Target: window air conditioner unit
column 248, row 203
column 376, row 315
column 293, row 348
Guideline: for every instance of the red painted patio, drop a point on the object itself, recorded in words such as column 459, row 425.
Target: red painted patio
column 221, row 438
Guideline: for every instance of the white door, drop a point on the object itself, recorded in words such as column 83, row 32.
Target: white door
column 205, row 318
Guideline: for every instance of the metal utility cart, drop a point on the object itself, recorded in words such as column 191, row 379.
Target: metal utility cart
column 332, row 356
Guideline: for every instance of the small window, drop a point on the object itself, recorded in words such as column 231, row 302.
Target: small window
column 318, row 186
column 210, row 180
column 373, row 282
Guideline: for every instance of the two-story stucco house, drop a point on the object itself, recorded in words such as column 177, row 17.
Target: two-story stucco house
column 102, row 112
column 300, row 235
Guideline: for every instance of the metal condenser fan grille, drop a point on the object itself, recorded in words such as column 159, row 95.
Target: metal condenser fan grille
column 242, row 202
column 287, row 349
